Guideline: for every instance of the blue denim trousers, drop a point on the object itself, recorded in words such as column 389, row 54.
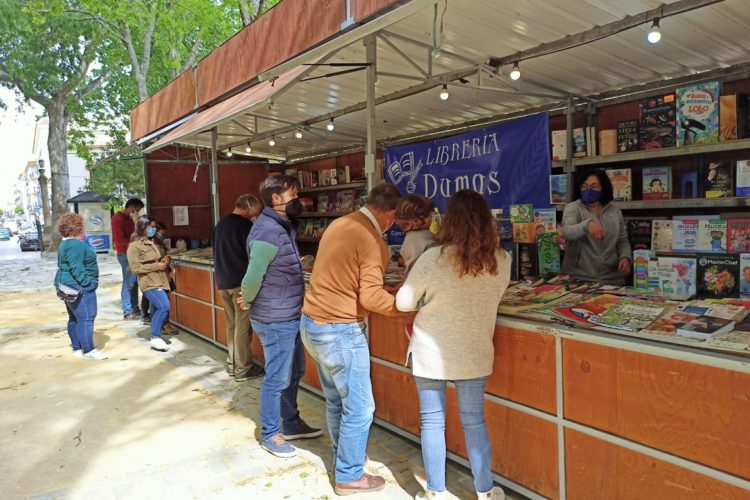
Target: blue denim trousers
column 285, row 365
column 129, row 291
column 343, row 359
column 160, row 305
column 471, row 409
column 81, row 316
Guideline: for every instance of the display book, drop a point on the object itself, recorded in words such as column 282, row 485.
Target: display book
column 535, row 232
column 312, row 178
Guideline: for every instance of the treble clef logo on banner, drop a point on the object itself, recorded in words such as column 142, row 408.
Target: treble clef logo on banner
column 405, row 168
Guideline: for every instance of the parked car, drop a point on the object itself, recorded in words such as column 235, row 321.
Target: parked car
column 29, row 242
column 4, row 233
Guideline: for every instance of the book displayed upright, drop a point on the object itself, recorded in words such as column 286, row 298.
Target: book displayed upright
column 657, row 183
column 639, row 233
column 673, row 277
column 745, row 276
column 717, row 180
column 548, row 253
column 579, row 142
column 622, row 187
column 661, row 235
column 627, row 136
column 685, row 233
column 712, row 235
column 657, row 122
column 641, row 259
column 521, row 213
column 559, row 145
column 528, row 263
column 698, row 114
column 738, row 235
column 558, row 188
column 524, row 232
column 718, row 276
column 733, row 117
column 545, row 220
column 742, row 183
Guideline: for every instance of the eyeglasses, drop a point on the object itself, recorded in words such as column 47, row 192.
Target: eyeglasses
column 595, row 187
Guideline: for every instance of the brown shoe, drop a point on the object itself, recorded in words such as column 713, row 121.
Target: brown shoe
column 365, row 484
column 255, row 371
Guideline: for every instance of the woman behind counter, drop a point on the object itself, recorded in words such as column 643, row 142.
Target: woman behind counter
column 77, row 268
column 460, row 283
column 597, row 242
column 150, row 267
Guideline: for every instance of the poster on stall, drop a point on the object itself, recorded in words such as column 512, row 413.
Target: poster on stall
column 180, row 216
column 508, row 163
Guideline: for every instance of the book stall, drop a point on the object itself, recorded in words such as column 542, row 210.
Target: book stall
column 598, row 390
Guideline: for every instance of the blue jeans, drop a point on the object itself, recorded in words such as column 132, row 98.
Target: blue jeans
column 129, row 291
column 81, row 316
column 285, row 365
column 160, row 305
column 471, row 409
column 343, row 359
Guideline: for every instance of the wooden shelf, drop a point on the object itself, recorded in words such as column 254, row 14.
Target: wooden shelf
column 307, row 239
column 683, row 203
column 324, row 214
column 664, row 153
column 335, row 187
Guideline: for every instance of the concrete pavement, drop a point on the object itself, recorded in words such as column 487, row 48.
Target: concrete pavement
column 145, row 424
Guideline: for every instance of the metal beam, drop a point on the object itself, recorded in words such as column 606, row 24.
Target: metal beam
column 372, row 55
column 214, row 179
column 403, row 55
column 518, row 93
column 443, row 52
column 244, row 127
column 600, row 32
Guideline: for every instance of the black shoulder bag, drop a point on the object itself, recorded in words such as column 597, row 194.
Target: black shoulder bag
column 66, row 293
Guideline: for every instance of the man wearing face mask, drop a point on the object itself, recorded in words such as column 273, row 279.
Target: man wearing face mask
column 346, row 284
column 598, row 248
column 274, row 287
column 123, row 226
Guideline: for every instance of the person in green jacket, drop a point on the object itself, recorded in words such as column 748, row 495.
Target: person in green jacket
column 77, row 268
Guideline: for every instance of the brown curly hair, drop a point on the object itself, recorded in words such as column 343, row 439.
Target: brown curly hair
column 70, row 225
column 469, row 227
column 411, row 212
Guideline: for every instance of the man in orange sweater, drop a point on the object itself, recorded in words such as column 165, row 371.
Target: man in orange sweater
column 347, row 283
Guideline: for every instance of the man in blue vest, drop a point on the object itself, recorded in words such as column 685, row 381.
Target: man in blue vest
column 274, row 287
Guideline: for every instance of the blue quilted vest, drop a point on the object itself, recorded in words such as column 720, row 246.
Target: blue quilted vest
column 283, row 289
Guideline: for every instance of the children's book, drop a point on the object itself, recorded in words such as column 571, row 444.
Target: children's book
column 657, row 122
column 742, row 184
column 712, row 235
column 627, row 136
column 698, row 114
column 524, row 232
column 579, row 142
column 641, row 259
column 672, row 277
column 629, row 315
column 521, row 213
column 583, row 313
column 657, row 183
column 718, row 276
column 559, row 144
column 546, row 218
column 558, row 188
column 549, row 253
column 717, row 180
column 622, row 185
column 745, row 276
column 639, row 233
column 661, row 235
column 685, row 234
column 668, row 323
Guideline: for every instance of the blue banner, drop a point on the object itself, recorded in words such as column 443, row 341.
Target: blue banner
column 508, row 163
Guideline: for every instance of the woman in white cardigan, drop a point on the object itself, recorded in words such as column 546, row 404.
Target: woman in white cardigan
column 456, row 287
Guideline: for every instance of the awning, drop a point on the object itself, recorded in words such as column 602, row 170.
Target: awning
column 255, row 96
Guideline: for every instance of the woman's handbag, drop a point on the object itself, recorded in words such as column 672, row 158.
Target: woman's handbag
column 68, row 294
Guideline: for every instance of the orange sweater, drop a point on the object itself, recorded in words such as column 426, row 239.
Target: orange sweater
column 347, row 280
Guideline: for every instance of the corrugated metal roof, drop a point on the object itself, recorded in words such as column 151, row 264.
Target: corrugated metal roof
column 708, row 38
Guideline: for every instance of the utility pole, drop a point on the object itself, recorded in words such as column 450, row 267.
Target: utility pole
column 45, row 204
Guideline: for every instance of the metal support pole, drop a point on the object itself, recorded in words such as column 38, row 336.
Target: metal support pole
column 371, row 46
column 214, row 177
column 569, row 150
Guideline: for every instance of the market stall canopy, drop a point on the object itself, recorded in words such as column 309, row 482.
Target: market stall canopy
column 590, row 50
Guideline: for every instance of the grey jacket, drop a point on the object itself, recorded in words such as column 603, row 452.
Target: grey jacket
column 587, row 258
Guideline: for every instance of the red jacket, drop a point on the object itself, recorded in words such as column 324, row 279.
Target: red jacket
column 122, row 227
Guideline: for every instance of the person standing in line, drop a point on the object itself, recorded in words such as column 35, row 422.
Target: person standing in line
column 77, row 268
column 273, row 287
column 347, row 283
column 456, row 288
column 122, row 229
column 230, row 264
column 150, row 267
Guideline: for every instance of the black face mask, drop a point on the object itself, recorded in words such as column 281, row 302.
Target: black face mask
column 293, row 209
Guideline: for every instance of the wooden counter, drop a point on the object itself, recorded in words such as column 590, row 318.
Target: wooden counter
column 571, row 414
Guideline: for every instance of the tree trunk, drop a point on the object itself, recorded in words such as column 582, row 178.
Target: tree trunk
column 58, row 169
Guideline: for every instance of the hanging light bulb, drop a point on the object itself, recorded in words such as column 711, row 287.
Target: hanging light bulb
column 272, row 142
column 444, row 95
column 248, row 149
column 515, row 73
column 229, row 153
column 655, row 34
column 330, row 127
column 298, row 134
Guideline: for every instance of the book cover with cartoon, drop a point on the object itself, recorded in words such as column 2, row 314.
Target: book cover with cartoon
column 698, row 114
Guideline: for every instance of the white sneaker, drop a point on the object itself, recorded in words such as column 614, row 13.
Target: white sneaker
column 496, row 493
column 78, row 353
column 158, row 344
column 95, row 355
column 427, row 495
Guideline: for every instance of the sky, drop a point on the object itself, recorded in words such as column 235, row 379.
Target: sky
column 16, row 139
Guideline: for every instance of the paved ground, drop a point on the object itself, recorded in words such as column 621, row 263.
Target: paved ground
column 145, row 424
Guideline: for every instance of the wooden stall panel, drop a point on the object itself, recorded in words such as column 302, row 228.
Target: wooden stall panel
column 170, row 103
column 172, row 308
column 694, row 411
column 311, row 372
column 221, row 327
column 193, row 282
column 524, row 448
column 195, row 316
column 235, row 180
column 364, row 8
column 387, row 338
column 597, row 469
column 396, row 399
column 217, row 296
column 524, row 368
